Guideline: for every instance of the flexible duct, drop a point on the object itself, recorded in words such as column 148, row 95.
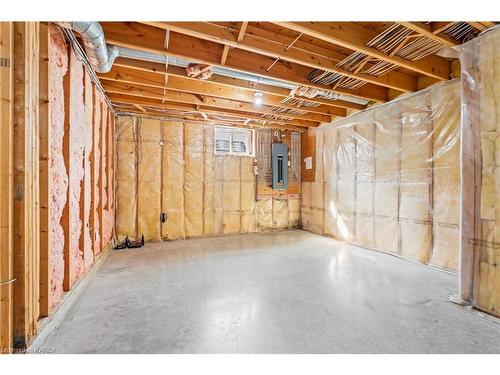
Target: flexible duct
column 100, row 55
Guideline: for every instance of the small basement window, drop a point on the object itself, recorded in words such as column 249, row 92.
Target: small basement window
column 234, row 141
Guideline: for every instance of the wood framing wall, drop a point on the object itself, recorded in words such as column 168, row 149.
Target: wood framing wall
column 57, row 156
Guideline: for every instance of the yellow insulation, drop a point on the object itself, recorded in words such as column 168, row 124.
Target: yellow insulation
column 126, row 177
column 149, row 180
column 173, row 181
column 169, row 167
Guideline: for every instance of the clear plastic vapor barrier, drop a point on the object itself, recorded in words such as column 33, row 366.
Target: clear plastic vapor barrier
column 480, row 263
column 388, row 178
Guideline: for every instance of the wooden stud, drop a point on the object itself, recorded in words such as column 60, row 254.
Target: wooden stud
column 102, row 173
column 94, row 161
column 26, row 182
column 45, row 173
column 67, row 212
column 6, row 184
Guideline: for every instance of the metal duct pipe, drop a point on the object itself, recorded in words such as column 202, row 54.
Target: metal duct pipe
column 100, row 55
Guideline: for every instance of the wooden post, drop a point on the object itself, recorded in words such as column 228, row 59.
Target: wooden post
column 102, row 172
column 66, row 214
column 26, row 213
column 44, row 173
column 470, row 166
column 93, row 181
column 89, row 172
column 6, row 183
column 109, row 160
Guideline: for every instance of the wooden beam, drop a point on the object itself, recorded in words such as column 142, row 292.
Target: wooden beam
column 217, row 34
column 139, row 107
column 95, row 162
column 26, row 214
column 86, row 197
column 68, row 211
column 439, row 27
column 239, row 84
column 109, row 160
column 125, row 99
column 6, row 184
column 224, row 55
column 150, row 39
column 117, row 87
column 204, row 88
column 355, row 37
column 425, row 30
column 241, row 33
column 482, row 26
column 92, row 159
column 102, row 173
column 248, row 123
column 45, row 174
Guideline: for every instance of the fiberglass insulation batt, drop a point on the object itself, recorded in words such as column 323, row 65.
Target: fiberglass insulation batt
column 388, row 178
column 166, row 166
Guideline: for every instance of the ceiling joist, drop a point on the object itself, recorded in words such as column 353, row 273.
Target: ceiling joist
column 127, row 99
column 355, row 38
column 205, row 88
column 150, row 39
column 237, row 83
column 227, row 37
column 182, row 97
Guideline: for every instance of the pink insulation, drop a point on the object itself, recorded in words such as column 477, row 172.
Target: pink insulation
column 58, row 66
column 77, row 141
column 85, row 137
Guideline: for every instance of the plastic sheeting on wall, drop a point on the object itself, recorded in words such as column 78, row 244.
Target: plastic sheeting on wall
column 480, row 263
column 388, row 178
column 169, row 167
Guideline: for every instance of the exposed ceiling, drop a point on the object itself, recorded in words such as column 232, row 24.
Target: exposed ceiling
column 338, row 66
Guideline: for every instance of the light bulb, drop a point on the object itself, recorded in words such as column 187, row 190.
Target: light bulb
column 257, row 97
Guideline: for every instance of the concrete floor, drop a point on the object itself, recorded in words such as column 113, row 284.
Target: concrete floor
column 281, row 292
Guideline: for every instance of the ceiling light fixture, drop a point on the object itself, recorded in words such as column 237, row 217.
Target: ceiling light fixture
column 257, row 97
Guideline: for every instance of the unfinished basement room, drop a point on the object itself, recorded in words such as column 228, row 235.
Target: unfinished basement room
column 249, row 187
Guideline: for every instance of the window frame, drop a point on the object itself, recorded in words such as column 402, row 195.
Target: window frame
column 234, row 129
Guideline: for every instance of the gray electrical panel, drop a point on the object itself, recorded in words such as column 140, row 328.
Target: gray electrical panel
column 279, row 155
